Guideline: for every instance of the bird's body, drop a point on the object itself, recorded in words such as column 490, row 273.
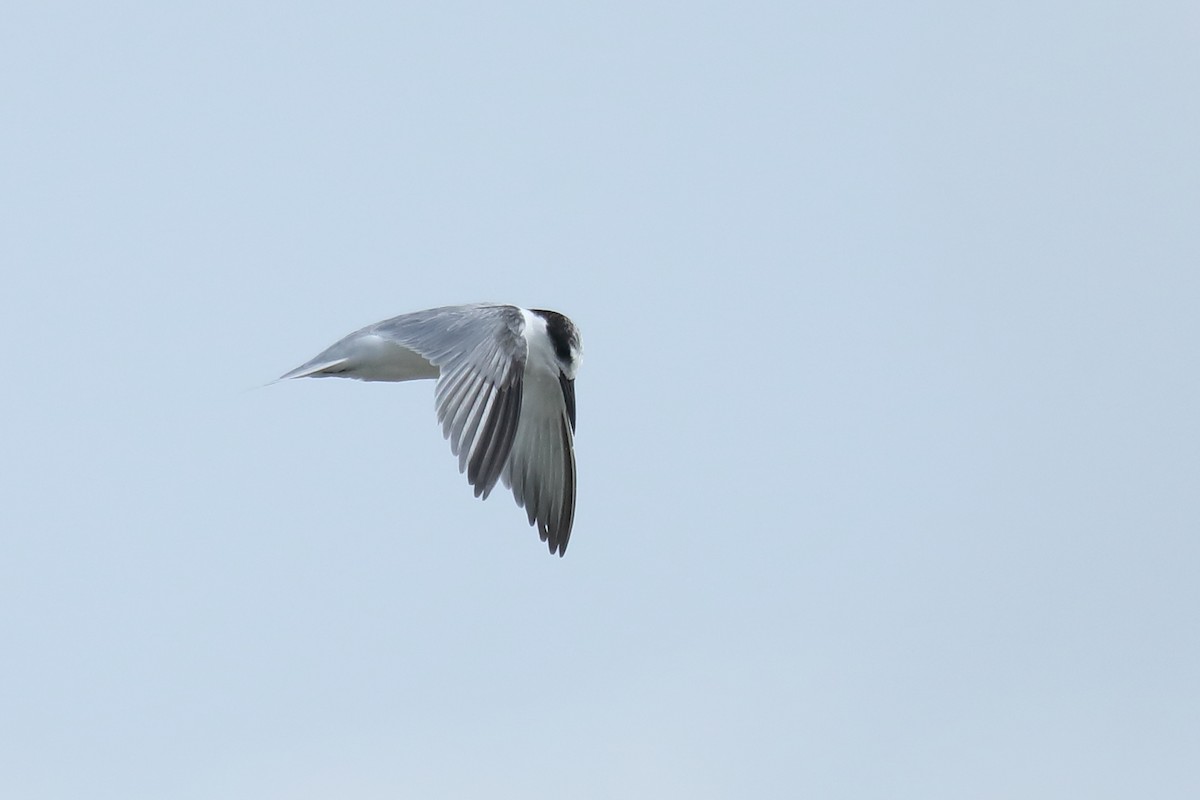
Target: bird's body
column 505, row 395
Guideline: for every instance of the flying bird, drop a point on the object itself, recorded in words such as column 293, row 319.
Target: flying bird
column 505, row 395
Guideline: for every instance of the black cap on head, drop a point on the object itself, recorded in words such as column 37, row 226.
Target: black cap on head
column 562, row 333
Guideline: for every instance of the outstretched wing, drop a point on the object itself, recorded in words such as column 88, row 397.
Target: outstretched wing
column 541, row 469
column 480, row 352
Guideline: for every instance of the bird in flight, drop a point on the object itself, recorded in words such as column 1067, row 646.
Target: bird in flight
column 505, row 395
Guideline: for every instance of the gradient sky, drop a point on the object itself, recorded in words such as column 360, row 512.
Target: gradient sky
column 888, row 441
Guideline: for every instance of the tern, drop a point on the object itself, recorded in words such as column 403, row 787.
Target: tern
column 505, row 395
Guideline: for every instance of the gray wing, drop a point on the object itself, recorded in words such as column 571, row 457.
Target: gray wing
column 480, row 352
column 541, row 469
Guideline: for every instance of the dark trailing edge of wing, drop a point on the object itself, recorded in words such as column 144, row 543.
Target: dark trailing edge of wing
column 566, row 517
column 568, row 390
column 554, row 524
column 495, row 440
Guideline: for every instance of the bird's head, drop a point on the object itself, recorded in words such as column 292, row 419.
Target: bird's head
column 568, row 347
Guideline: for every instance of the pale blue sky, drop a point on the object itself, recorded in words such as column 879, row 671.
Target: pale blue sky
column 888, row 443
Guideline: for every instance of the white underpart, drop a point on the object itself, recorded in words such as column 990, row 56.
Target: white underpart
column 378, row 359
column 541, row 358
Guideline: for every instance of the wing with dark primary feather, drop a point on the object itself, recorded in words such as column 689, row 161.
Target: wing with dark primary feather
column 505, row 395
column 541, row 469
column 480, row 352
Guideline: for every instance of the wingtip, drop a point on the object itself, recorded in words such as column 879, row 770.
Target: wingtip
column 554, row 542
column 312, row 369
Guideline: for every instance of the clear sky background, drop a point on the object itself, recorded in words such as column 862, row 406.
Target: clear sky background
column 888, row 439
